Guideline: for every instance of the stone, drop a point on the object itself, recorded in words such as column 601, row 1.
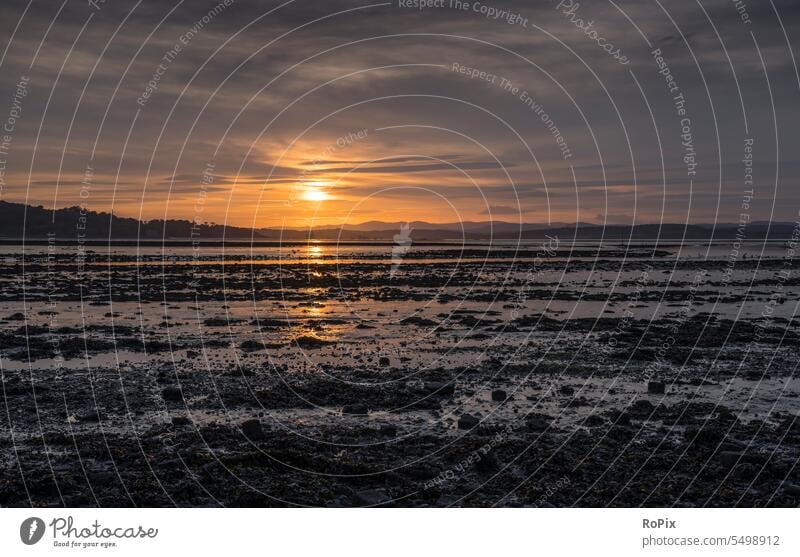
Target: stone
column 537, row 423
column 745, row 471
column 91, row 416
column 440, row 388
column 252, row 429
column 729, row 458
column 594, row 420
column 371, row 497
column 642, row 406
column 623, row 419
column 487, row 464
column 656, row 387
column 172, row 394
column 499, row 395
column 467, row 421
column 791, row 489
column 252, row 346
column 357, row 409
column 311, row 342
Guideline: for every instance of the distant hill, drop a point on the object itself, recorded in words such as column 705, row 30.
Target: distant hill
column 18, row 220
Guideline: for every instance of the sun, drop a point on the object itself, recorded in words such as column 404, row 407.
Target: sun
column 314, row 194
column 315, row 190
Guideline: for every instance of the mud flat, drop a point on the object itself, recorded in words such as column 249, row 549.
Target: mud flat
column 589, row 377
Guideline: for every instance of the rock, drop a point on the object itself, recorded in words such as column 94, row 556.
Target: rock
column 566, row 390
column 90, row 416
column 537, row 423
column 172, row 394
column 642, row 406
column 102, row 477
column 311, row 342
column 487, row 464
column 499, row 395
column 594, row 420
column 623, row 419
column 389, row 430
column 252, row 429
column 729, row 458
column 725, row 415
column 440, row 388
column 252, row 346
column 467, row 421
column 745, row 471
column 384, row 361
column 371, row 497
column 708, row 435
column 791, row 489
column 357, row 409
column 656, row 387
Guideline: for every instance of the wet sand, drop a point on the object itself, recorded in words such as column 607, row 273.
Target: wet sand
column 656, row 376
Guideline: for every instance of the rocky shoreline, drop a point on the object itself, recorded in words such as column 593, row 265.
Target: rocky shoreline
column 474, row 390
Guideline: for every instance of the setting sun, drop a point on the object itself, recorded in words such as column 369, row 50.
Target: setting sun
column 315, row 195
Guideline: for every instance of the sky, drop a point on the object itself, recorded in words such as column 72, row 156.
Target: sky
column 305, row 113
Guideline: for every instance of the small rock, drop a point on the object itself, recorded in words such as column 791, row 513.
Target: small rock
column 791, row 489
column 499, row 395
column 487, row 464
column 566, row 390
column 440, row 388
column 311, row 342
column 537, row 423
column 91, row 416
column 745, row 471
column 252, row 346
column 172, row 394
column 371, row 497
column 357, row 409
column 467, row 421
column 729, row 458
column 623, row 419
column 384, row 361
column 642, row 406
column 252, row 429
column 656, row 387
column 181, row 421
column 594, row 420
column 707, row 436
column 389, row 430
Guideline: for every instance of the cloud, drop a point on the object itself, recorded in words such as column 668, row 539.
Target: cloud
column 249, row 93
column 501, row 210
